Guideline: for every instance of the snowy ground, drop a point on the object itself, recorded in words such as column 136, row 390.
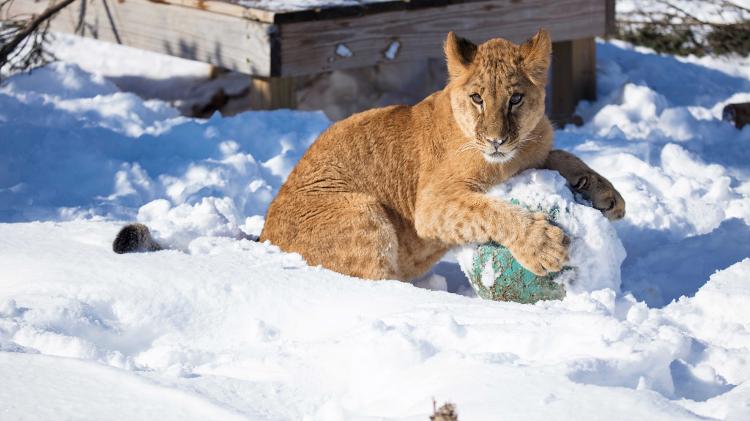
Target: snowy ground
column 220, row 328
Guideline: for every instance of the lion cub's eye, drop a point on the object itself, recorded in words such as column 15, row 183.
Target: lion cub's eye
column 477, row 99
column 515, row 99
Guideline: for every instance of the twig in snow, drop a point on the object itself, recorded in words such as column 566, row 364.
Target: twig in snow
column 447, row 412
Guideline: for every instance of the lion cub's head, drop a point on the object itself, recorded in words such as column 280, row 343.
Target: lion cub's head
column 497, row 91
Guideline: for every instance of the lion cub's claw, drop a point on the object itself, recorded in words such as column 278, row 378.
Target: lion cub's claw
column 541, row 247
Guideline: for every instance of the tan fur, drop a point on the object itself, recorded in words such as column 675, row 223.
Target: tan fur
column 591, row 185
column 385, row 193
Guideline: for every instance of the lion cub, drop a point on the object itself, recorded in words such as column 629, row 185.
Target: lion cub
column 385, row 193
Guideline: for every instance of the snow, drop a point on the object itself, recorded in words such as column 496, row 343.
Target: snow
column 683, row 172
column 392, row 51
column 220, row 327
column 299, row 5
column 343, row 51
column 254, row 330
column 72, row 389
column 183, row 83
column 121, row 152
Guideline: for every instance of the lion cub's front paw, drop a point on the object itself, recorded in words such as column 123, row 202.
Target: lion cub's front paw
column 541, row 247
column 602, row 194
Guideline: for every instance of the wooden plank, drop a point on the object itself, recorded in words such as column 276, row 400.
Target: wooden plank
column 272, row 93
column 226, row 7
column 311, row 47
column 272, row 14
column 284, row 12
column 308, row 13
column 573, row 76
column 226, row 41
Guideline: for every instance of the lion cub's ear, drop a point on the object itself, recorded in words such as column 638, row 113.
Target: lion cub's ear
column 536, row 54
column 459, row 53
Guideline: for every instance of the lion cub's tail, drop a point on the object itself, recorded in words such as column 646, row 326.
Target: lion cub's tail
column 135, row 238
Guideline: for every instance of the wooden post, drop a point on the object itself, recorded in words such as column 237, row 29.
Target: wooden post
column 573, row 77
column 270, row 93
column 611, row 23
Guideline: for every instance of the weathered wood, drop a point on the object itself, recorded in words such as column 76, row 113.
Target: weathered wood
column 275, row 46
column 272, row 93
column 611, row 22
column 228, row 8
column 573, row 76
column 311, row 47
column 239, row 44
column 285, row 12
column 226, row 34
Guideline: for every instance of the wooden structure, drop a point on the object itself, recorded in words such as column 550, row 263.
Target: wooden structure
column 275, row 45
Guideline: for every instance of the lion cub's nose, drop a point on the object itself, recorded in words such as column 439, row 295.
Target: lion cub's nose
column 496, row 143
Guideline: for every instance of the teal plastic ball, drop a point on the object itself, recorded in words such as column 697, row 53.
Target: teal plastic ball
column 495, row 274
column 509, row 280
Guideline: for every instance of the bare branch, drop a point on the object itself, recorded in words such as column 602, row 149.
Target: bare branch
column 698, row 27
column 684, row 12
column 735, row 5
column 18, row 33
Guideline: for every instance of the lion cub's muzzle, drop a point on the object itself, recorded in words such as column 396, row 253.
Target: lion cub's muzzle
column 499, row 150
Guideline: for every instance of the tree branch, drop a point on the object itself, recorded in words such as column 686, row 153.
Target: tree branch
column 7, row 48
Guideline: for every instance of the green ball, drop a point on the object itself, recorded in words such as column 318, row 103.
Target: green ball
column 511, row 281
column 508, row 279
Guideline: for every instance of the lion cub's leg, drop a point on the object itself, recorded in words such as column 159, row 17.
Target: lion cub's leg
column 347, row 233
column 415, row 255
column 588, row 183
column 456, row 215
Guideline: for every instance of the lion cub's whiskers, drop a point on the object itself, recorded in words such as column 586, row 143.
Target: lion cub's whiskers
column 468, row 146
